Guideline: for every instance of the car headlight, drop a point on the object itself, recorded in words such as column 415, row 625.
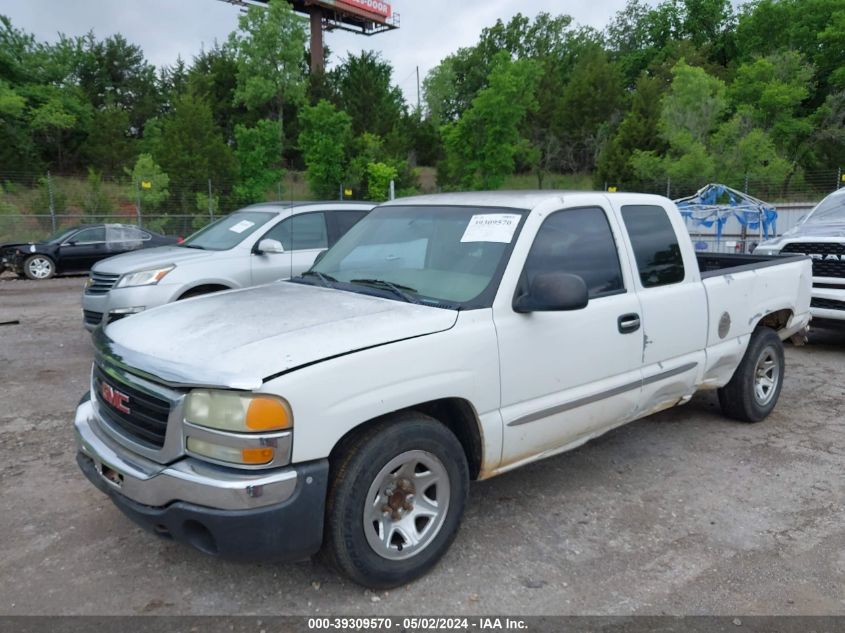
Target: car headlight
column 237, row 412
column 143, row 277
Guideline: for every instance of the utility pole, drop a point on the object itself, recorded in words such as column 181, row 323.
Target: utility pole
column 419, row 109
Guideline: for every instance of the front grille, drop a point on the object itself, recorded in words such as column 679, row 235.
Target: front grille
column 827, row 304
column 833, row 267
column 92, row 318
column 100, row 283
column 146, row 420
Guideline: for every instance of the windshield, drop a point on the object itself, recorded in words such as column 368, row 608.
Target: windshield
column 229, row 231
column 444, row 256
column 831, row 210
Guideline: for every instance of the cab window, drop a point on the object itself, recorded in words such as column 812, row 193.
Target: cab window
column 580, row 242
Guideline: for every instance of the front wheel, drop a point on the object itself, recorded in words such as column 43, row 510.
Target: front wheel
column 39, row 267
column 753, row 392
column 396, row 500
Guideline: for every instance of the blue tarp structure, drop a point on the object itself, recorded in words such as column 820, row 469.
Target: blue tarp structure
column 714, row 205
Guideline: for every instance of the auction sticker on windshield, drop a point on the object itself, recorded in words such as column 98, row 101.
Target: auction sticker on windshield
column 242, row 226
column 491, row 227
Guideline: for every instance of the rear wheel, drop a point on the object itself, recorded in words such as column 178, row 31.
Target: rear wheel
column 38, row 267
column 396, row 500
column 753, row 392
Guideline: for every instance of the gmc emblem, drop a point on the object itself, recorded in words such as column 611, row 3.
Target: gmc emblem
column 114, row 397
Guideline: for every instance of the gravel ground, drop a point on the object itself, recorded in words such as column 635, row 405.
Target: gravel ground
column 681, row 513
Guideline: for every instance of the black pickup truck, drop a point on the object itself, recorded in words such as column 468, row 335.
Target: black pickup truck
column 77, row 249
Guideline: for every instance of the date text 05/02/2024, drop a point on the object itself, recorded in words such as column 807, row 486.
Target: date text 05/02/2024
column 480, row 624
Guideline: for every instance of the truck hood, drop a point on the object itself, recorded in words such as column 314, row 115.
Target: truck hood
column 150, row 258
column 238, row 339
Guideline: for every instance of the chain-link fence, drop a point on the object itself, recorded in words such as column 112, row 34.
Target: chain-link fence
column 803, row 186
column 33, row 206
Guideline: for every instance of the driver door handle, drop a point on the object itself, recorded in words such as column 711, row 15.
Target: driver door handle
column 629, row 323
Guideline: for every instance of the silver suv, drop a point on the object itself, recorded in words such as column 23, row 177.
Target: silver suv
column 256, row 245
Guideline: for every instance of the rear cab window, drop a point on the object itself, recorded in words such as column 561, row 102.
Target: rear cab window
column 657, row 251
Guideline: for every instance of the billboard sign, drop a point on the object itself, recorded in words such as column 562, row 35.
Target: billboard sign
column 375, row 8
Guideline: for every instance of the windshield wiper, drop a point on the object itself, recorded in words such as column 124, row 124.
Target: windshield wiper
column 398, row 289
column 196, row 246
column 325, row 279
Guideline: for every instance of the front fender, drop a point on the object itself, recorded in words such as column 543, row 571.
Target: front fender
column 330, row 398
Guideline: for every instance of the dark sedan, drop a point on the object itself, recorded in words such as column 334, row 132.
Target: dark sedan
column 78, row 249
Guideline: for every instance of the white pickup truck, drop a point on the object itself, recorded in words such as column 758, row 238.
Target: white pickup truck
column 443, row 339
column 820, row 236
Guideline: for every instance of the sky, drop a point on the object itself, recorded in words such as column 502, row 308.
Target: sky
column 166, row 29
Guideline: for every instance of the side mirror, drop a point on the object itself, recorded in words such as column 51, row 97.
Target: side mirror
column 269, row 247
column 553, row 292
column 320, row 256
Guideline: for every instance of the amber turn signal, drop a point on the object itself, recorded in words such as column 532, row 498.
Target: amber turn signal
column 267, row 414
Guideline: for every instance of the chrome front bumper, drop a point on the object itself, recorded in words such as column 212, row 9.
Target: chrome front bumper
column 188, row 480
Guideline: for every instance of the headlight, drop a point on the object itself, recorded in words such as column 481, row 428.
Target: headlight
column 237, row 412
column 143, row 277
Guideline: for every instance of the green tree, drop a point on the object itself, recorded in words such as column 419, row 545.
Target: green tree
column 109, row 146
column 590, row 103
column 115, row 73
column 258, row 152
column 96, row 203
column 691, row 111
column 365, row 150
column 693, row 107
column 58, row 119
column 638, row 131
column 324, row 140
column 482, row 147
column 771, row 90
column 213, row 76
column 379, row 177
column 149, row 183
column 366, row 94
column 268, row 48
column 192, row 150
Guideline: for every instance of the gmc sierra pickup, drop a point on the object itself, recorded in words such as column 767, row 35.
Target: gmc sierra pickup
column 443, row 339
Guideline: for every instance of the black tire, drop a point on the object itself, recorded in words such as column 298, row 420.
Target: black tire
column 740, row 399
column 39, row 267
column 363, row 459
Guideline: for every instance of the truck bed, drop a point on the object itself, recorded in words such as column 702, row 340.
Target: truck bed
column 715, row 264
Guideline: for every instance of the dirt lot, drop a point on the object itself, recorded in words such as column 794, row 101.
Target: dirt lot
column 681, row 513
